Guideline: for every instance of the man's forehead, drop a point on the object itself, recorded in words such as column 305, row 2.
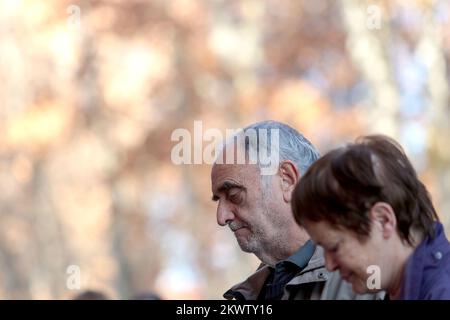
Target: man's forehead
column 237, row 173
column 222, row 170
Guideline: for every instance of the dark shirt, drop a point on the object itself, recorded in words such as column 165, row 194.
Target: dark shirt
column 285, row 271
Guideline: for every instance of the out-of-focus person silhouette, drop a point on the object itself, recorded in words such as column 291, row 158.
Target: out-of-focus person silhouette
column 91, row 295
column 148, row 295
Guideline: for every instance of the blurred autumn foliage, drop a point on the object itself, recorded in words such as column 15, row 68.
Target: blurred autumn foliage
column 87, row 108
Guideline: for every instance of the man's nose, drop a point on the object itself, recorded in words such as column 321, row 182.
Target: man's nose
column 224, row 214
column 330, row 262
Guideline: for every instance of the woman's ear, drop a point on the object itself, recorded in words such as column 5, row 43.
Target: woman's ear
column 383, row 217
column 289, row 177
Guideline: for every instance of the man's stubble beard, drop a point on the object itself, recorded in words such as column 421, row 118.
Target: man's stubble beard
column 255, row 242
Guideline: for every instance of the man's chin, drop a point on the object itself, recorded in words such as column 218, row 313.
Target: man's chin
column 246, row 246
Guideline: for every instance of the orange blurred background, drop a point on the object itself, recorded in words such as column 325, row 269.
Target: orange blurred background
column 91, row 91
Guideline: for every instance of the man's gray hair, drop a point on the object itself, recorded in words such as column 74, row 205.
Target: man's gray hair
column 293, row 145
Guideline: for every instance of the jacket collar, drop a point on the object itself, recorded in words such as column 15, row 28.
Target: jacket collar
column 302, row 256
column 428, row 254
column 250, row 288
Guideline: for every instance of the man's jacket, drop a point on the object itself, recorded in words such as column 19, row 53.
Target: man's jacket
column 314, row 282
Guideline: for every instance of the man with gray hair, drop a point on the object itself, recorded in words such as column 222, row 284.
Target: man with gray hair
column 256, row 206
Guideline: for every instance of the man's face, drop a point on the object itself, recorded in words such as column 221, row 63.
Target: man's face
column 244, row 205
column 345, row 252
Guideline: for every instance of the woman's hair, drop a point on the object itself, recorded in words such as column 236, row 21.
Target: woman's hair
column 342, row 186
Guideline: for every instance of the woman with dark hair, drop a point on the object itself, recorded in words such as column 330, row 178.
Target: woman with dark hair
column 365, row 206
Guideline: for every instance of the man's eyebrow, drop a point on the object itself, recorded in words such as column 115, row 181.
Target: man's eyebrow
column 227, row 185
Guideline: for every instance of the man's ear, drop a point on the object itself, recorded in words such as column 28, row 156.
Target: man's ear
column 383, row 216
column 289, row 177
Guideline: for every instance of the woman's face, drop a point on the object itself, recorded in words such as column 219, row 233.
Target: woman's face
column 355, row 259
